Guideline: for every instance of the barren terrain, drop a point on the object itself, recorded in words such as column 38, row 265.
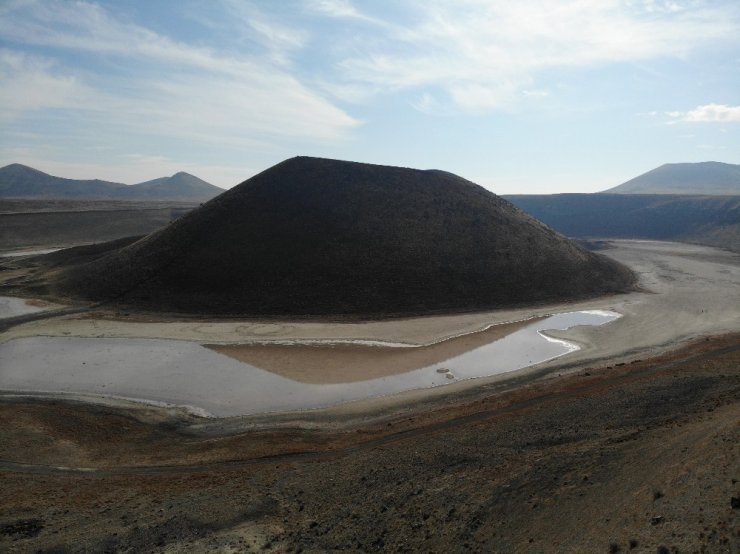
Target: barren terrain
column 37, row 223
column 632, row 458
column 628, row 445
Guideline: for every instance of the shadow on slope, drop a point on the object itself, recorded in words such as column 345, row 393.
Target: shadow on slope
column 709, row 220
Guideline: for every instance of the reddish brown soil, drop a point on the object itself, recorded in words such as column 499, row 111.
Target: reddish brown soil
column 629, row 458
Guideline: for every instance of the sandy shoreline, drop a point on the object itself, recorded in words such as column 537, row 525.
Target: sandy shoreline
column 669, row 312
column 643, row 454
column 268, row 379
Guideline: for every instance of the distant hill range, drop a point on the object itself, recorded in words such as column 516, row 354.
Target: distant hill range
column 20, row 181
column 685, row 178
column 710, row 220
column 312, row 236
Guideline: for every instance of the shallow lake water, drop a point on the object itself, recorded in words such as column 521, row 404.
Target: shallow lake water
column 31, row 252
column 188, row 374
column 11, row 307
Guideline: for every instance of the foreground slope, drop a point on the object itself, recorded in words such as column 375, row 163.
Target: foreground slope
column 641, row 457
column 685, row 178
column 312, row 236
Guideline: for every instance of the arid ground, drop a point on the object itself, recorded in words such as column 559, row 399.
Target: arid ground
column 628, row 445
column 31, row 223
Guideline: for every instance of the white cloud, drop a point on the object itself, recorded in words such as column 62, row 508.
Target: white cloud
column 476, row 97
column 341, row 9
column 535, row 93
column 484, row 53
column 427, row 103
column 711, row 112
column 335, row 8
column 656, row 6
column 164, row 86
column 275, row 34
column 254, row 25
column 265, row 105
column 33, row 83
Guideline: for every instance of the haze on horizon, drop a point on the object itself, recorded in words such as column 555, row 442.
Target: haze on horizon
column 521, row 97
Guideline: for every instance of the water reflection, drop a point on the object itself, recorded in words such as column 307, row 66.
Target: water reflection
column 185, row 373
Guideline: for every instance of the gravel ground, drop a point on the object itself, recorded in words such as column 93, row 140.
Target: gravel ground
column 633, row 458
column 628, row 447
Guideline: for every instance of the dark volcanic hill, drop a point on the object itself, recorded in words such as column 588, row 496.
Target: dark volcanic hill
column 20, row 181
column 685, row 178
column 313, row 236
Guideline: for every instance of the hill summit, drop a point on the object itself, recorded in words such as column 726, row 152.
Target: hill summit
column 179, row 186
column 313, row 236
column 714, row 178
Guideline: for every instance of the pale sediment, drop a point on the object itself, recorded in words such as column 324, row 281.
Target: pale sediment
column 667, row 312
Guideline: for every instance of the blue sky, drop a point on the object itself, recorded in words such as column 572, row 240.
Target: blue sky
column 532, row 96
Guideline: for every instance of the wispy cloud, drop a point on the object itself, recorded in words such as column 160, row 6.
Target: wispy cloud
column 427, row 103
column 244, row 83
column 161, row 86
column 341, row 9
column 535, row 93
column 252, row 24
column 485, row 53
column 335, row 8
column 34, row 83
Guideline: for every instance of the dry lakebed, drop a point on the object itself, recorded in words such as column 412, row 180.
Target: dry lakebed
column 605, row 425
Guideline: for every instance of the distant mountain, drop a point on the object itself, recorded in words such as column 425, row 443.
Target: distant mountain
column 181, row 186
column 712, row 220
column 685, row 178
column 20, row 181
